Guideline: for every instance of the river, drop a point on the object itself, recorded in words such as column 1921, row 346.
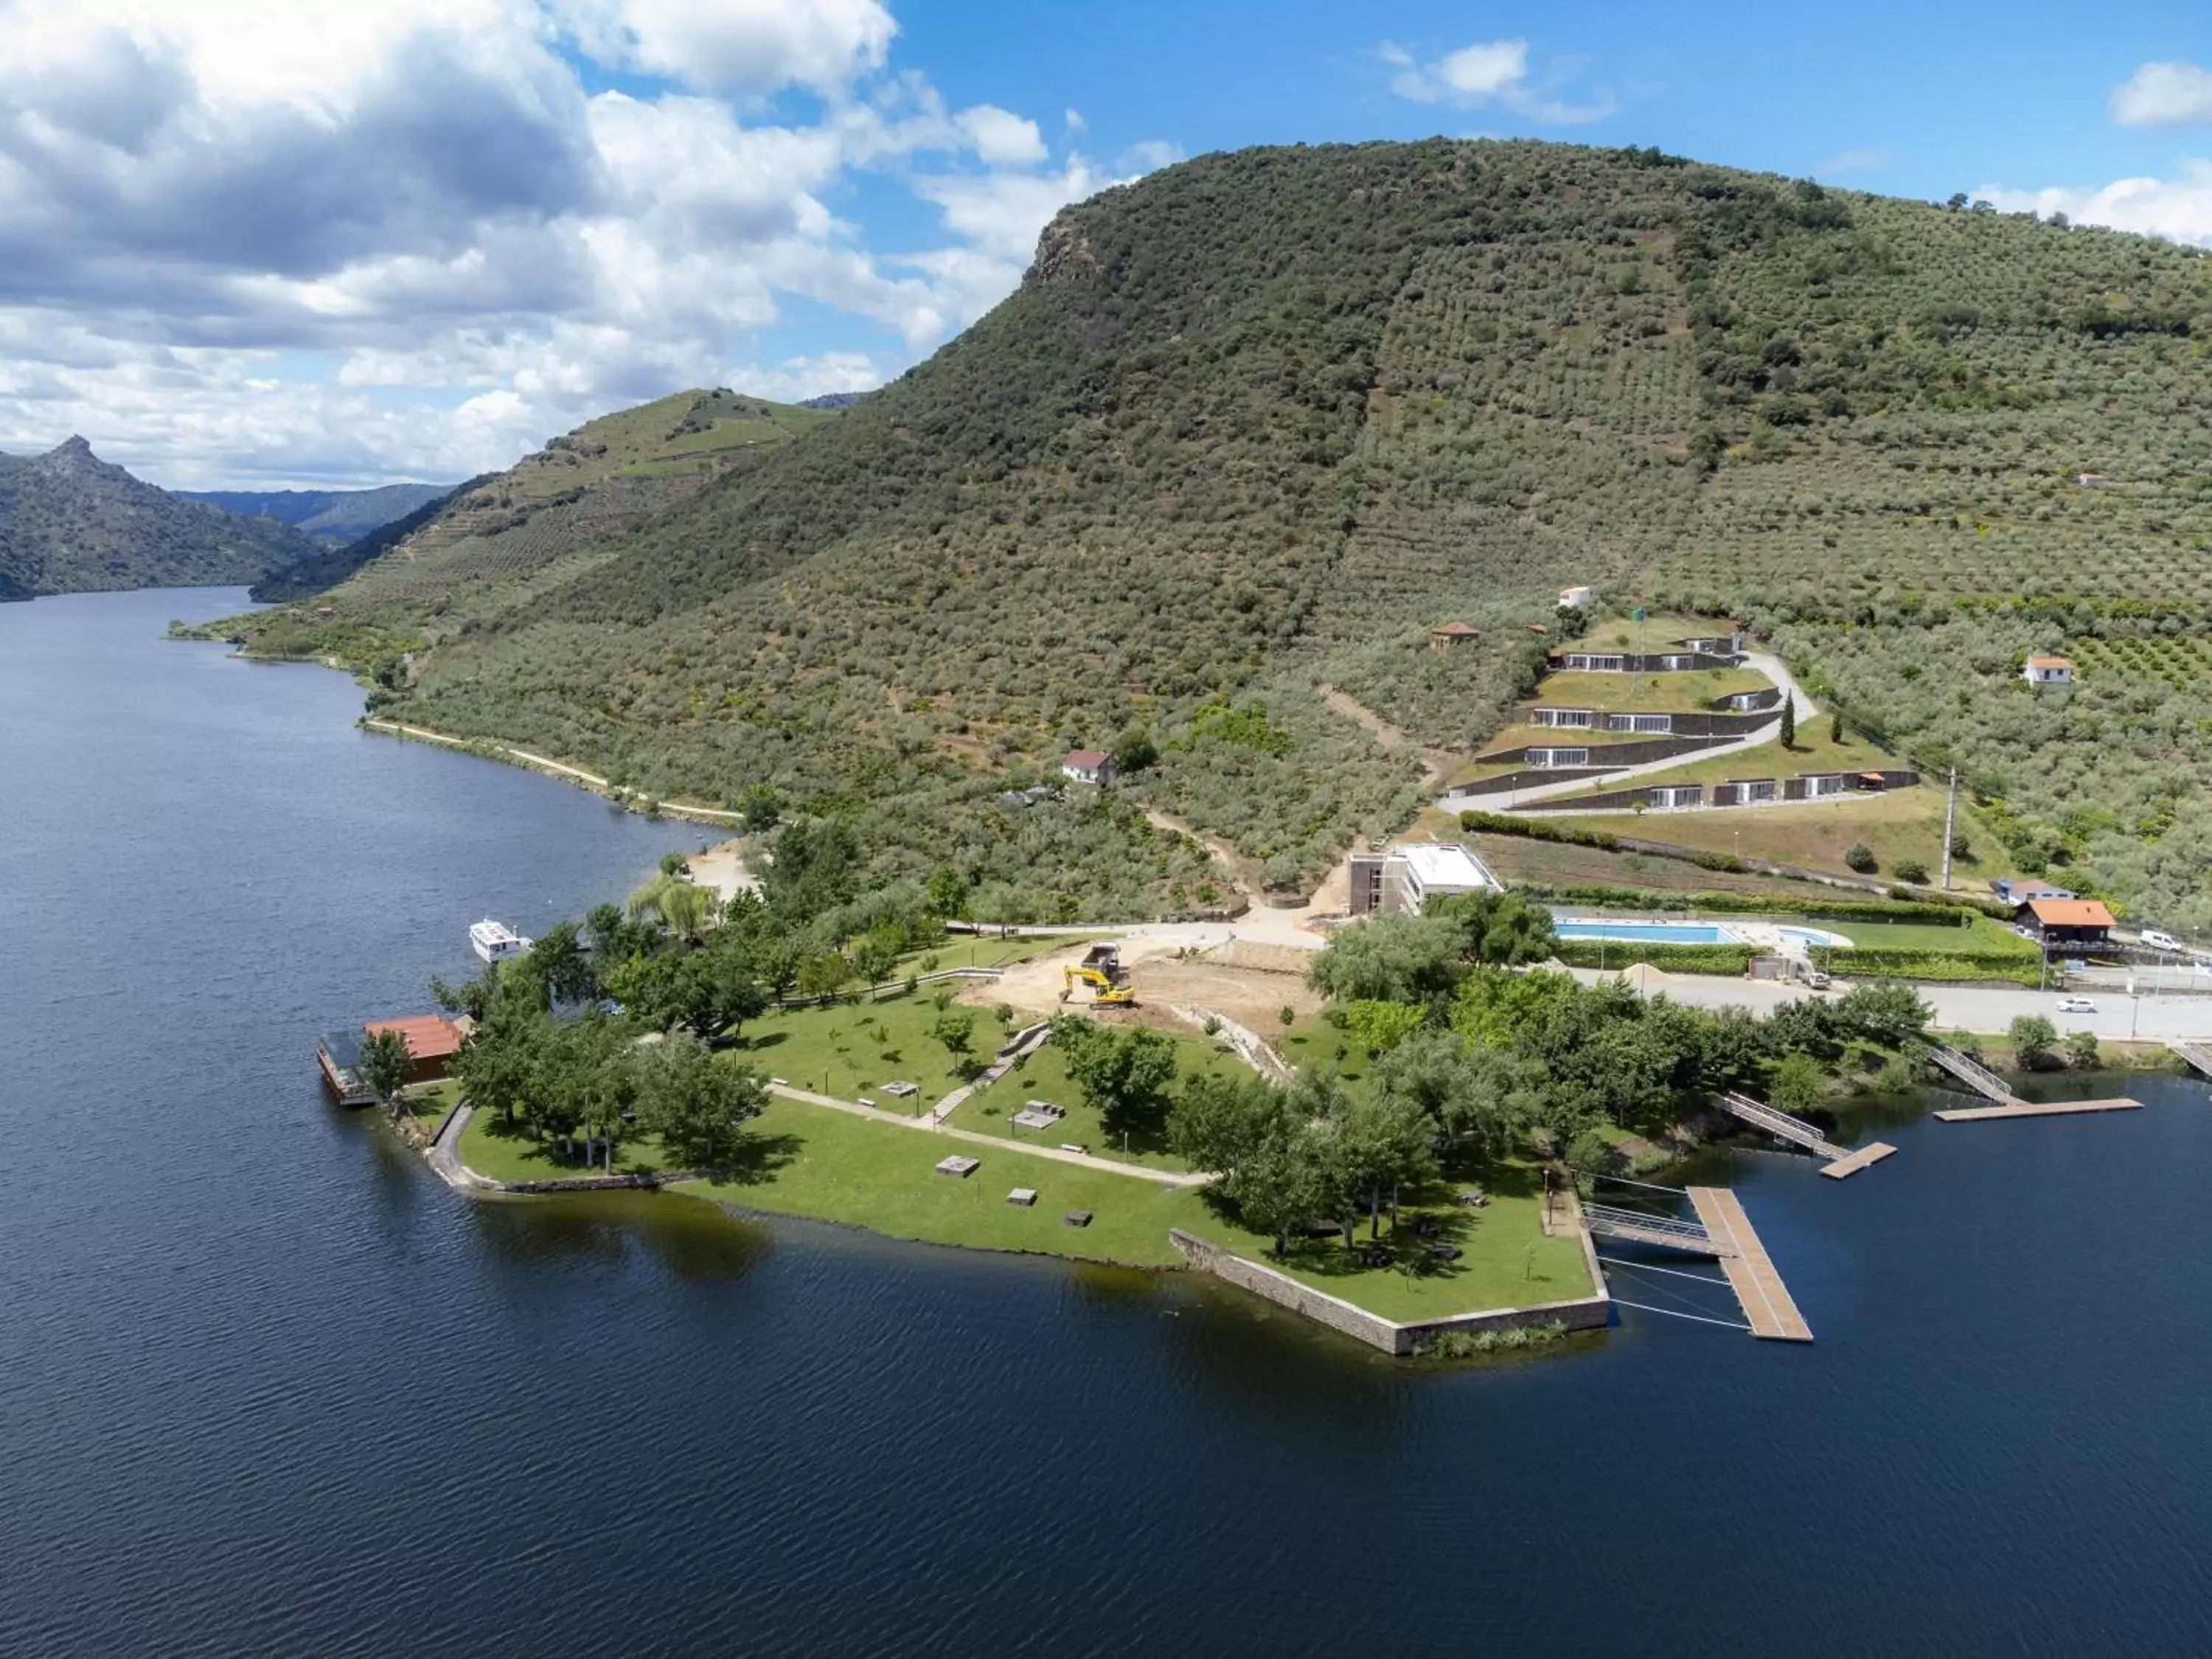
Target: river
column 267, row 1387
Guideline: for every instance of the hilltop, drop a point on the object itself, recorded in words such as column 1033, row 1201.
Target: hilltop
column 335, row 516
column 1251, row 427
column 595, row 483
column 71, row 522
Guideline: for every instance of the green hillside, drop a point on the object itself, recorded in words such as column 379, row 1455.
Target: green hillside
column 594, row 483
column 1251, row 427
column 71, row 523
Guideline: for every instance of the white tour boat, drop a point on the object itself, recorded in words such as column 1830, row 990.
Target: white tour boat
column 494, row 941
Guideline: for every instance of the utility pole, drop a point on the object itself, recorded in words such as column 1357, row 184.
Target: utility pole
column 1950, row 817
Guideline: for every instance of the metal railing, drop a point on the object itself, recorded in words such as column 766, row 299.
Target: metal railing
column 1979, row 1079
column 1778, row 1122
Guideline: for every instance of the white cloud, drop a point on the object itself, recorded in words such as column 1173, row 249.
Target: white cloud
column 2164, row 94
column 1000, row 138
column 745, row 47
column 1492, row 73
column 2180, row 209
column 319, row 239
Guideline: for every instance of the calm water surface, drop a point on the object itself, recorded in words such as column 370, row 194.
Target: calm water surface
column 266, row 1387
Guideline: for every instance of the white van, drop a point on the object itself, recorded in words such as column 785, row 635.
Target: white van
column 2159, row 941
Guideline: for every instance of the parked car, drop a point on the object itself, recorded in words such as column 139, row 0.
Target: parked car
column 2077, row 1005
column 2159, row 941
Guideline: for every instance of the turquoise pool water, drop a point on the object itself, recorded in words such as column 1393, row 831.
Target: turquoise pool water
column 1647, row 932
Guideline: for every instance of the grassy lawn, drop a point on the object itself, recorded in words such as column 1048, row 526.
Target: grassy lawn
column 1042, row 1076
column 1518, row 860
column 434, row 1104
column 1813, row 752
column 491, row 1148
column 1660, row 633
column 1650, row 694
column 1901, row 824
column 1981, row 934
column 851, row 1052
column 818, row 1162
column 1505, row 1261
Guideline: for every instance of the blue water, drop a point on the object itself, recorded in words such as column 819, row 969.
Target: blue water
column 1645, row 933
column 266, row 1387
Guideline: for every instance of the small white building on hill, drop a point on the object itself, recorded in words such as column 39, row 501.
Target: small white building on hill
column 1409, row 875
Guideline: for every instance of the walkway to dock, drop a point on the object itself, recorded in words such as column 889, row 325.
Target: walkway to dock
column 1757, row 1285
column 2032, row 1108
column 1842, row 1161
column 2197, row 1055
column 1976, row 1076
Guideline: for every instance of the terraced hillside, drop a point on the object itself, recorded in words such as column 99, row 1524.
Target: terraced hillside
column 1260, row 423
column 593, row 483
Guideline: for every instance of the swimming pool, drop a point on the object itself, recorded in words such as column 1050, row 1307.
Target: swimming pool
column 1647, row 932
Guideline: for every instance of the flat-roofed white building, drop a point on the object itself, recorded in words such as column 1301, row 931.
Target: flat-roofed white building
column 1409, row 875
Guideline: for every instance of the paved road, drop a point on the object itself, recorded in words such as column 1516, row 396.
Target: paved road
column 1970, row 1008
column 545, row 763
column 1772, row 667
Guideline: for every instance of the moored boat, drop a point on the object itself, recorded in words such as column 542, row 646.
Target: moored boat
column 494, row 941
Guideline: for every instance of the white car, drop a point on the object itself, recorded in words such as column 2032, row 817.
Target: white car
column 2077, row 1005
column 2159, row 941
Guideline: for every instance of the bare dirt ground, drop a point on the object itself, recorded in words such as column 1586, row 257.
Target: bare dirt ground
column 1439, row 762
column 1248, row 981
column 722, row 867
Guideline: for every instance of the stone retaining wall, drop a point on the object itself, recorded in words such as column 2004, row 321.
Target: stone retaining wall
column 1582, row 1314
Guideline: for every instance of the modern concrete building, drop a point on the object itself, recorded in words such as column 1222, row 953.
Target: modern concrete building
column 1408, row 876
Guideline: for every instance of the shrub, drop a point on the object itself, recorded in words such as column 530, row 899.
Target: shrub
column 2032, row 1039
column 1860, row 857
column 1939, row 965
column 2082, row 1052
column 1913, row 871
column 1675, row 958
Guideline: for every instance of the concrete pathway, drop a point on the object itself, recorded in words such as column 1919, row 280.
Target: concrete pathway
column 546, row 763
column 445, row 1156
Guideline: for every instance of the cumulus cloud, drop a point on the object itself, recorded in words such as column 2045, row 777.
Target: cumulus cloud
column 2164, row 96
column 1493, row 73
column 416, row 237
column 2178, row 209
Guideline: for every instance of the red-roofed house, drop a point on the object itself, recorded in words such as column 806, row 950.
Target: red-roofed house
column 431, row 1041
column 2048, row 671
column 1088, row 766
column 1451, row 634
column 2068, row 922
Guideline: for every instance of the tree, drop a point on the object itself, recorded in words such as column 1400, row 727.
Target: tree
column 1390, row 958
column 1789, row 722
column 666, row 992
column 561, row 964
column 2033, row 1038
column 1380, row 1026
column 1282, row 1185
column 1860, row 857
column 761, row 808
column 1891, row 1015
column 1123, row 1074
column 1134, row 750
column 1501, row 929
column 815, row 867
column 947, row 892
column 1380, row 1143
column 957, row 1033
column 876, row 952
column 1836, row 726
column 1218, row 1122
column 1798, row 1084
column 388, row 1067
column 696, row 1102
column 2081, row 1053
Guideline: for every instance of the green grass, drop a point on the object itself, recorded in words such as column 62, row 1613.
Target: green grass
column 853, row 1051
column 1983, row 933
column 1897, row 825
column 974, row 950
column 1043, row 1076
column 818, row 1162
column 1664, row 632
column 1811, row 752
column 1652, row 694
column 491, row 1148
column 1507, row 1261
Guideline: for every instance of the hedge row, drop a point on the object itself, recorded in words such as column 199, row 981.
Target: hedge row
column 1675, row 958
column 1878, row 964
column 1837, row 910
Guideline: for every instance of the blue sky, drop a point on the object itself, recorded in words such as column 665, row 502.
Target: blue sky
column 311, row 242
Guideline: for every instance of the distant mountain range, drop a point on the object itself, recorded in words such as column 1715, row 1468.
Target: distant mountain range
column 70, row 522
column 336, row 516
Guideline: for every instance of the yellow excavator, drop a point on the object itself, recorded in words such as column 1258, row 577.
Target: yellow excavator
column 1101, row 970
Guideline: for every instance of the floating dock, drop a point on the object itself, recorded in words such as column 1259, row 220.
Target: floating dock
column 1841, row 1160
column 1852, row 1162
column 2045, row 1109
column 1766, row 1304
